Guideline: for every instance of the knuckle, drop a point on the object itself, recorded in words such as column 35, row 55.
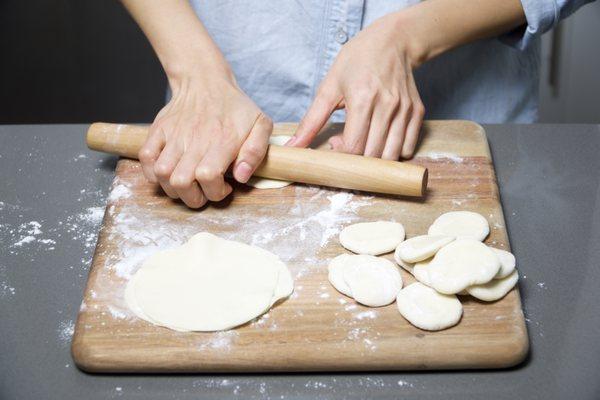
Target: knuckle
column 254, row 151
column 162, row 170
column 406, row 107
column 389, row 98
column 207, row 174
column 179, row 181
column 146, row 155
column 265, row 122
column 419, row 109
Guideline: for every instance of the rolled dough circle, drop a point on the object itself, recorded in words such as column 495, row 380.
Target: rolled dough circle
column 507, row 263
column 372, row 238
column 494, row 289
column 427, row 309
column 420, row 248
column 265, row 183
column 336, row 274
column 460, row 264
column 207, row 284
column 461, row 224
column 370, row 280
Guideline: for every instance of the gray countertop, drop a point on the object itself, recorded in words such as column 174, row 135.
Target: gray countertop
column 52, row 196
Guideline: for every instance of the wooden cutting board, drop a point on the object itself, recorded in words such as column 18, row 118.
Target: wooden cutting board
column 317, row 328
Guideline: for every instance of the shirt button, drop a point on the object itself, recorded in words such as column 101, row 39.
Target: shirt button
column 341, row 36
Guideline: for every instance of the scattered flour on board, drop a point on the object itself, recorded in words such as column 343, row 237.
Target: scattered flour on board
column 219, row 340
column 451, row 157
column 120, row 191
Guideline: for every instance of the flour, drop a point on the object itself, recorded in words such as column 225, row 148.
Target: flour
column 65, row 332
column 448, row 157
column 220, row 340
column 5, row 288
column 365, row 314
column 120, row 191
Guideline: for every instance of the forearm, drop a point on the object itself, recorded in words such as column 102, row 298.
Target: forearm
column 179, row 39
column 436, row 26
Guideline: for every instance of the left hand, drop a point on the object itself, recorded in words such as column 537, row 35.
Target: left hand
column 372, row 79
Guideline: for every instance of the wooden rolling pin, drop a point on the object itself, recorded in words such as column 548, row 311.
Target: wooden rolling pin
column 316, row 167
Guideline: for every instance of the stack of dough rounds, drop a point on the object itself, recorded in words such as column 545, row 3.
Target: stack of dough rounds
column 370, row 280
column 460, row 264
column 372, row 238
column 452, row 260
column 207, row 284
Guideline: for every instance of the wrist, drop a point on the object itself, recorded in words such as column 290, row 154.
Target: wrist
column 195, row 70
column 409, row 38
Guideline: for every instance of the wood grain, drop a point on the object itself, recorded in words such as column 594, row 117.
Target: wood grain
column 317, row 329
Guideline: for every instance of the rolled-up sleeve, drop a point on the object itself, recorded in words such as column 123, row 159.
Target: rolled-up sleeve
column 542, row 15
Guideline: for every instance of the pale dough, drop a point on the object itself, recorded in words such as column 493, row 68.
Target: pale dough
column 372, row 238
column 207, row 284
column 418, row 269
column 336, row 273
column 460, row 264
column 495, row 289
column 370, row 280
column 461, row 224
column 427, row 309
column 420, row 248
column 265, row 183
column 507, row 263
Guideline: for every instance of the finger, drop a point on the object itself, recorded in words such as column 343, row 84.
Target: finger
column 150, row 151
column 183, row 179
column 325, row 103
column 358, row 119
column 416, row 120
column 397, row 129
column 209, row 175
column 253, row 149
column 165, row 165
column 380, row 122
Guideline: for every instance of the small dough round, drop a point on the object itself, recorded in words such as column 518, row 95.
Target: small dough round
column 372, row 238
column 507, row 263
column 460, row 264
column 461, row 224
column 336, row 274
column 207, row 284
column 427, row 309
column 418, row 270
column 421, row 271
column 370, row 280
column 494, row 289
column 420, row 248
column 265, row 183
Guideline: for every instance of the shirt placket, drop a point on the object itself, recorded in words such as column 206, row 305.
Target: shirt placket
column 344, row 22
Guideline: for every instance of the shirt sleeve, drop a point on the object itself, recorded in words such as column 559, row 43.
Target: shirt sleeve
column 542, row 15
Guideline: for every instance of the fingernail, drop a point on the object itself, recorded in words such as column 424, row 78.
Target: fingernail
column 243, row 172
column 292, row 140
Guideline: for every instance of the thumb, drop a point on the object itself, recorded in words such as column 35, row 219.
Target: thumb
column 325, row 103
column 253, row 149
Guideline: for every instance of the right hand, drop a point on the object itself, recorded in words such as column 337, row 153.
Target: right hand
column 208, row 125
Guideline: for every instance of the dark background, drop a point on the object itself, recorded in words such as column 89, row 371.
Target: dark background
column 75, row 61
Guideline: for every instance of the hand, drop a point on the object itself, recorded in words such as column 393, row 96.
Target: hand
column 372, row 79
column 208, row 125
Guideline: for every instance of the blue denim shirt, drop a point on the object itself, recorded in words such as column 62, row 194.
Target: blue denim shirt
column 281, row 50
